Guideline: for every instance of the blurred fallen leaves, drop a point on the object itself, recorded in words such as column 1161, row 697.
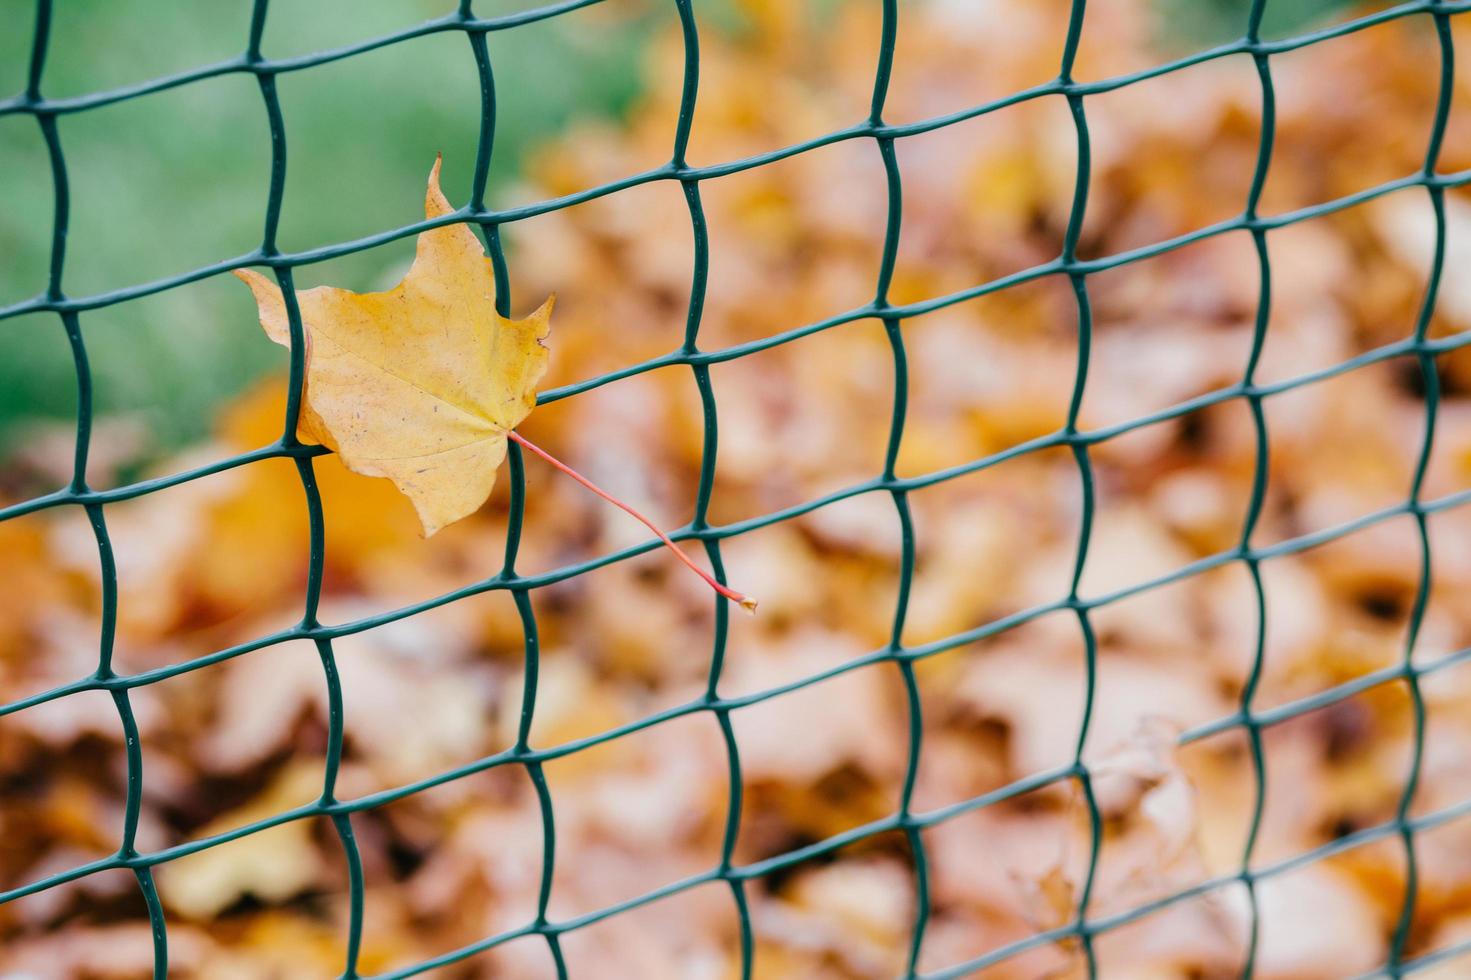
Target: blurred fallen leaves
column 221, row 561
column 270, row 866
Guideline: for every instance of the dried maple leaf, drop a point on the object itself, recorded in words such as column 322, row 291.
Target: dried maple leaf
column 425, row 383
column 421, row 384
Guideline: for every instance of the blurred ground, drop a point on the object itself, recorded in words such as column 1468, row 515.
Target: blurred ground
column 220, row 561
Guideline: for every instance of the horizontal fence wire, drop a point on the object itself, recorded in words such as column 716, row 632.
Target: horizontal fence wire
column 1250, row 720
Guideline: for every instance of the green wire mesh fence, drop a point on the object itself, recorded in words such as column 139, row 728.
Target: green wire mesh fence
column 906, row 821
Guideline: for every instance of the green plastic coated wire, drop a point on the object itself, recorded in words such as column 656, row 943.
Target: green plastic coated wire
column 906, row 822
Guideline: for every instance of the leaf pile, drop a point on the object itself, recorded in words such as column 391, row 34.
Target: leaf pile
column 220, row 561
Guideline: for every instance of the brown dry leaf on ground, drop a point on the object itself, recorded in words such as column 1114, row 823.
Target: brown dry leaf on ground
column 270, row 866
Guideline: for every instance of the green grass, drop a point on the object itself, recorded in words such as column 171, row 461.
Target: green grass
column 1191, row 23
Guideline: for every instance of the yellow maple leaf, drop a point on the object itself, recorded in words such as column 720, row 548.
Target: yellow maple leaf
column 425, row 383
column 420, row 384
